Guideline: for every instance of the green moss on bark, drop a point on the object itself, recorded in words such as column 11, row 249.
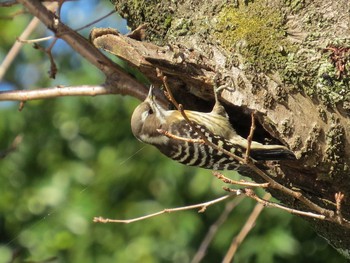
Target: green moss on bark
column 157, row 14
column 257, row 32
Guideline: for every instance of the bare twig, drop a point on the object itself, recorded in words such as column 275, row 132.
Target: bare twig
column 226, row 180
column 251, row 194
column 48, row 51
column 168, row 92
column 248, row 226
column 96, row 21
column 250, row 139
column 84, row 90
column 172, row 136
column 214, row 228
column 37, row 40
column 202, row 207
column 329, row 214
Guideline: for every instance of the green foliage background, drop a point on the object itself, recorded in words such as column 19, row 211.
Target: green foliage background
column 78, row 159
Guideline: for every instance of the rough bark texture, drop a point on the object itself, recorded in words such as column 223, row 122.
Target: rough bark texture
column 286, row 60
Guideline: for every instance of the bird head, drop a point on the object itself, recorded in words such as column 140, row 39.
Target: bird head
column 147, row 118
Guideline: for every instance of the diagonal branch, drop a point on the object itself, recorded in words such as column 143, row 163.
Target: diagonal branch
column 202, row 250
column 248, row 226
column 10, row 56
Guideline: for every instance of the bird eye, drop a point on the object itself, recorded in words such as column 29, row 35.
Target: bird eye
column 150, row 111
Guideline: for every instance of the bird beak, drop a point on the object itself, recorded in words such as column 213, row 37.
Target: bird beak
column 150, row 95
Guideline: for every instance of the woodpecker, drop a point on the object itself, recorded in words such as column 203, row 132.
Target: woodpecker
column 150, row 117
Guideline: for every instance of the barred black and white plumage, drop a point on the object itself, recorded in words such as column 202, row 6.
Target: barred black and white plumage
column 150, row 117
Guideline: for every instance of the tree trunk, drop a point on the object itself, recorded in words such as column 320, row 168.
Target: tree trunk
column 285, row 60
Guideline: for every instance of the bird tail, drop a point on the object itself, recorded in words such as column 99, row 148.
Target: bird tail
column 280, row 153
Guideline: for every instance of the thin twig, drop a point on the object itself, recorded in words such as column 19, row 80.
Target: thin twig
column 214, row 228
column 202, row 207
column 96, row 21
column 168, row 93
column 226, row 180
column 248, row 226
column 273, row 184
column 59, row 91
column 48, row 51
column 251, row 194
column 172, row 136
column 37, row 40
column 250, row 139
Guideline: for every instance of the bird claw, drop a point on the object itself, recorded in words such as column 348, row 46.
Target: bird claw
column 223, row 82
